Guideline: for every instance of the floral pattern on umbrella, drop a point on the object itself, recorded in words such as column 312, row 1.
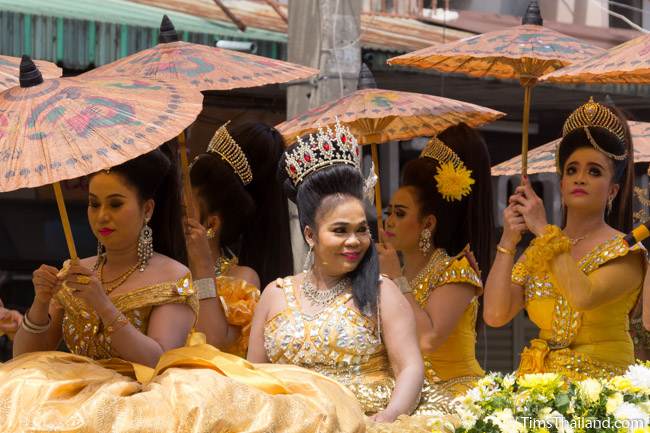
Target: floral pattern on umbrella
column 625, row 63
column 542, row 158
column 203, row 67
column 10, row 67
column 378, row 115
column 66, row 128
column 507, row 54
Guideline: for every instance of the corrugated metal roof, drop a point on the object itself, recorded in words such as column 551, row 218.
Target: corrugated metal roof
column 378, row 31
column 80, row 34
column 134, row 14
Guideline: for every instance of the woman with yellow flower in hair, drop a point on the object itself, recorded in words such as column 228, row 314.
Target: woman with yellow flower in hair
column 440, row 214
column 578, row 284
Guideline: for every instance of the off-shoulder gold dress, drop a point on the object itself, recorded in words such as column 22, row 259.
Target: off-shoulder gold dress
column 453, row 366
column 342, row 343
column 578, row 344
column 193, row 389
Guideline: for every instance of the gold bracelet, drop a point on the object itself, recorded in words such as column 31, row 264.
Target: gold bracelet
column 505, row 250
column 119, row 321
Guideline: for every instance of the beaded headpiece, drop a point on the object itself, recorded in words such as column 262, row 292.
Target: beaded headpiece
column 327, row 147
column 594, row 114
column 453, row 179
column 226, row 147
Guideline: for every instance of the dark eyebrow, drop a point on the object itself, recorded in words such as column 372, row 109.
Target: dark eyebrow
column 110, row 196
column 597, row 165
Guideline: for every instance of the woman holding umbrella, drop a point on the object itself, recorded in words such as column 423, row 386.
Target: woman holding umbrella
column 442, row 212
column 241, row 206
column 132, row 300
column 578, row 284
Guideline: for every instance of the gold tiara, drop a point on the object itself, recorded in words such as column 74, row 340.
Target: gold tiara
column 227, row 148
column 453, row 179
column 327, row 147
column 594, row 114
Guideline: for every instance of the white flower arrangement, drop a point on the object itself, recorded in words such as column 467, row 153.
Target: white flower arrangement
column 547, row 403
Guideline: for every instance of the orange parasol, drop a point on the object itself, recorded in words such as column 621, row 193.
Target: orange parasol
column 625, row 63
column 378, row 115
column 9, row 71
column 58, row 129
column 524, row 52
column 542, row 158
column 203, row 68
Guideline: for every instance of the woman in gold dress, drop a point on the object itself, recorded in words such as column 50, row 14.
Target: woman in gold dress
column 338, row 317
column 139, row 305
column 432, row 221
column 242, row 207
column 580, row 283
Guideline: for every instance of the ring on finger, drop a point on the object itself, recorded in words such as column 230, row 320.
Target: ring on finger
column 82, row 279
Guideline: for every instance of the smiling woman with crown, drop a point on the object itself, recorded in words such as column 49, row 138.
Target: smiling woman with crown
column 241, row 207
column 440, row 214
column 339, row 317
column 578, row 284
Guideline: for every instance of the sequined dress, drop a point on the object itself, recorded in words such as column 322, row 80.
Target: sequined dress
column 453, row 366
column 578, row 344
column 194, row 389
column 341, row 343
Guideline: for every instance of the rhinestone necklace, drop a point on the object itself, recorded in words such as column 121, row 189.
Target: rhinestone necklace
column 435, row 265
column 323, row 298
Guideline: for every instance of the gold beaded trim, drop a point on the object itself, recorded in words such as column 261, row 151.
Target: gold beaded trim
column 226, row 147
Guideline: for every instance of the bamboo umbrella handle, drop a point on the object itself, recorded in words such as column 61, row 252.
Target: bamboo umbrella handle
column 185, row 169
column 375, row 161
column 524, row 130
column 67, row 230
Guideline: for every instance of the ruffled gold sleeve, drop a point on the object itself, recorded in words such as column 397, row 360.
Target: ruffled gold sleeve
column 239, row 299
column 460, row 271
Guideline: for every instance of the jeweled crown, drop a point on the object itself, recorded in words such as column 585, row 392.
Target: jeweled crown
column 594, row 114
column 327, row 147
column 227, row 148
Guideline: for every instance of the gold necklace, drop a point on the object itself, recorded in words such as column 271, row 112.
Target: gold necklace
column 323, row 298
column 109, row 286
column 574, row 241
column 223, row 263
column 429, row 274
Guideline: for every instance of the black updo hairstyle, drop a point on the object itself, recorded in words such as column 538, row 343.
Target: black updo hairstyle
column 342, row 181
column 458, row 223
column 255, row 217
column 621, row 215
column 155, row 175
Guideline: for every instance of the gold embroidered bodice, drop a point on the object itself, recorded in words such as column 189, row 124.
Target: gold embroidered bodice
column 454, row 362
column 593, row 343
column 338, row 341
column 84, row 332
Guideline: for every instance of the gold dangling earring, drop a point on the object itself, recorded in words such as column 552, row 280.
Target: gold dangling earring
column 145, row 246
column 609, row 205
column 425, row 241
column 309, row 260
column 210, row 233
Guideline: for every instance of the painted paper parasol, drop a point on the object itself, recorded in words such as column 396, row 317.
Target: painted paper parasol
column 59, row 129
column 625, row 63
column 378, row 115
column 542, row 158
column 10, row 69
column 524, row 52
column 203, row 68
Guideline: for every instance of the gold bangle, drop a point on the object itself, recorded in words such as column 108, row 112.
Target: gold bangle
column 119, row 321
column 505, row 251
